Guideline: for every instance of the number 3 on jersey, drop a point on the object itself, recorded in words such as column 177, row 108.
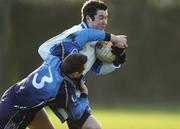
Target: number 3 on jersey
column 43, row 80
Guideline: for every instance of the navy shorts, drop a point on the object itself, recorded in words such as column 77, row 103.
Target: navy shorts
column 12, row 117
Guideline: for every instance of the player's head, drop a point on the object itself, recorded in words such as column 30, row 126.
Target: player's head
column 73, row 65
column 95, row 13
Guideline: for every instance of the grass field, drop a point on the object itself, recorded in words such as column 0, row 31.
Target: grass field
column 132, row 119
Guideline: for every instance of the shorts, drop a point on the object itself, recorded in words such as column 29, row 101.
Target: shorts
column 72, row 124
column 12, row 117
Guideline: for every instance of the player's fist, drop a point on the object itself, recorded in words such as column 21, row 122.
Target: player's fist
column 120, row 54
column 119, row 40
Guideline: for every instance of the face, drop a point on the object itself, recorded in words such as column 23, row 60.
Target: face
column 76, row 75
column 100, row 20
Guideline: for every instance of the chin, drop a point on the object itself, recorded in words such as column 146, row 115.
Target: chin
column 102, row 28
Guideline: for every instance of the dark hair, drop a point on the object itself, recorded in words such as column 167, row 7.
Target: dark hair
column 91, row 7
column 73, row 63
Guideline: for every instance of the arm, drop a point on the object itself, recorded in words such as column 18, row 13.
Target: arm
column 101, row 68
column 86, row 35
column 82, row 37
column 77, row 105
column 96, row 65
column 68, row 104
column 44, row 49
column 104, row 68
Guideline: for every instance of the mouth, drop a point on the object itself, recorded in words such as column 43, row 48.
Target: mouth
column 103, row 27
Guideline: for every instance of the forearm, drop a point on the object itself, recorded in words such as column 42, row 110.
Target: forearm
column 84, row 36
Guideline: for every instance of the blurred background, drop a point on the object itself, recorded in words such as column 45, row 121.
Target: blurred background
column 150, row 77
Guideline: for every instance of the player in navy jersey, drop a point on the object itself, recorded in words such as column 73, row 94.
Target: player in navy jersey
column 51, row 84
column 22, row 102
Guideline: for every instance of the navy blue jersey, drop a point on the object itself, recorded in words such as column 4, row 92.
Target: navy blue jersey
column 40, row 86
column 32, row 93
column 68, row 99
column 46, row 85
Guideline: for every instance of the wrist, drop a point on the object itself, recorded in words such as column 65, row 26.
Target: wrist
column 85, row 92
column 107, row 37
column 84, row 95
column 113, row 39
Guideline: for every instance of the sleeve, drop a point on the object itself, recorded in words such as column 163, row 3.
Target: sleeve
column 44, row 49
column 86, row 35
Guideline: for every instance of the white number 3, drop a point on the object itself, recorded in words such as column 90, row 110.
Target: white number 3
column 43, row 80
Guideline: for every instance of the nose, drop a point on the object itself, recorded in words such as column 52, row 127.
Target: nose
column 105, row 22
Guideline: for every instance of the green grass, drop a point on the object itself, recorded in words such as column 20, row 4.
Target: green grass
column 131, row 119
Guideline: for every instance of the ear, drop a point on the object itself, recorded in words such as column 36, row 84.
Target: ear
column 88, row 18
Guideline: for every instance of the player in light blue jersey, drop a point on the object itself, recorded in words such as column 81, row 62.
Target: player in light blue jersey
column 94, row 16
column 51, row 84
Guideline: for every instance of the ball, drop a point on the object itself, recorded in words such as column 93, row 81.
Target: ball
column 103, row 51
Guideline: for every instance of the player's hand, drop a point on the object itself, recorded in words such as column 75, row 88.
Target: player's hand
column 120, row 54
column 117, row 51
column 83, row 87
column 119, row 40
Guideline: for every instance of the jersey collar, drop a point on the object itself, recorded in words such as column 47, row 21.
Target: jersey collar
column 84, row 25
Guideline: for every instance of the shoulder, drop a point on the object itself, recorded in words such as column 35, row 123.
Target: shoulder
column 53, row 60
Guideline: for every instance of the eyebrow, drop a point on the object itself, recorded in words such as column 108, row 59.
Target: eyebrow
column 103, row 15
